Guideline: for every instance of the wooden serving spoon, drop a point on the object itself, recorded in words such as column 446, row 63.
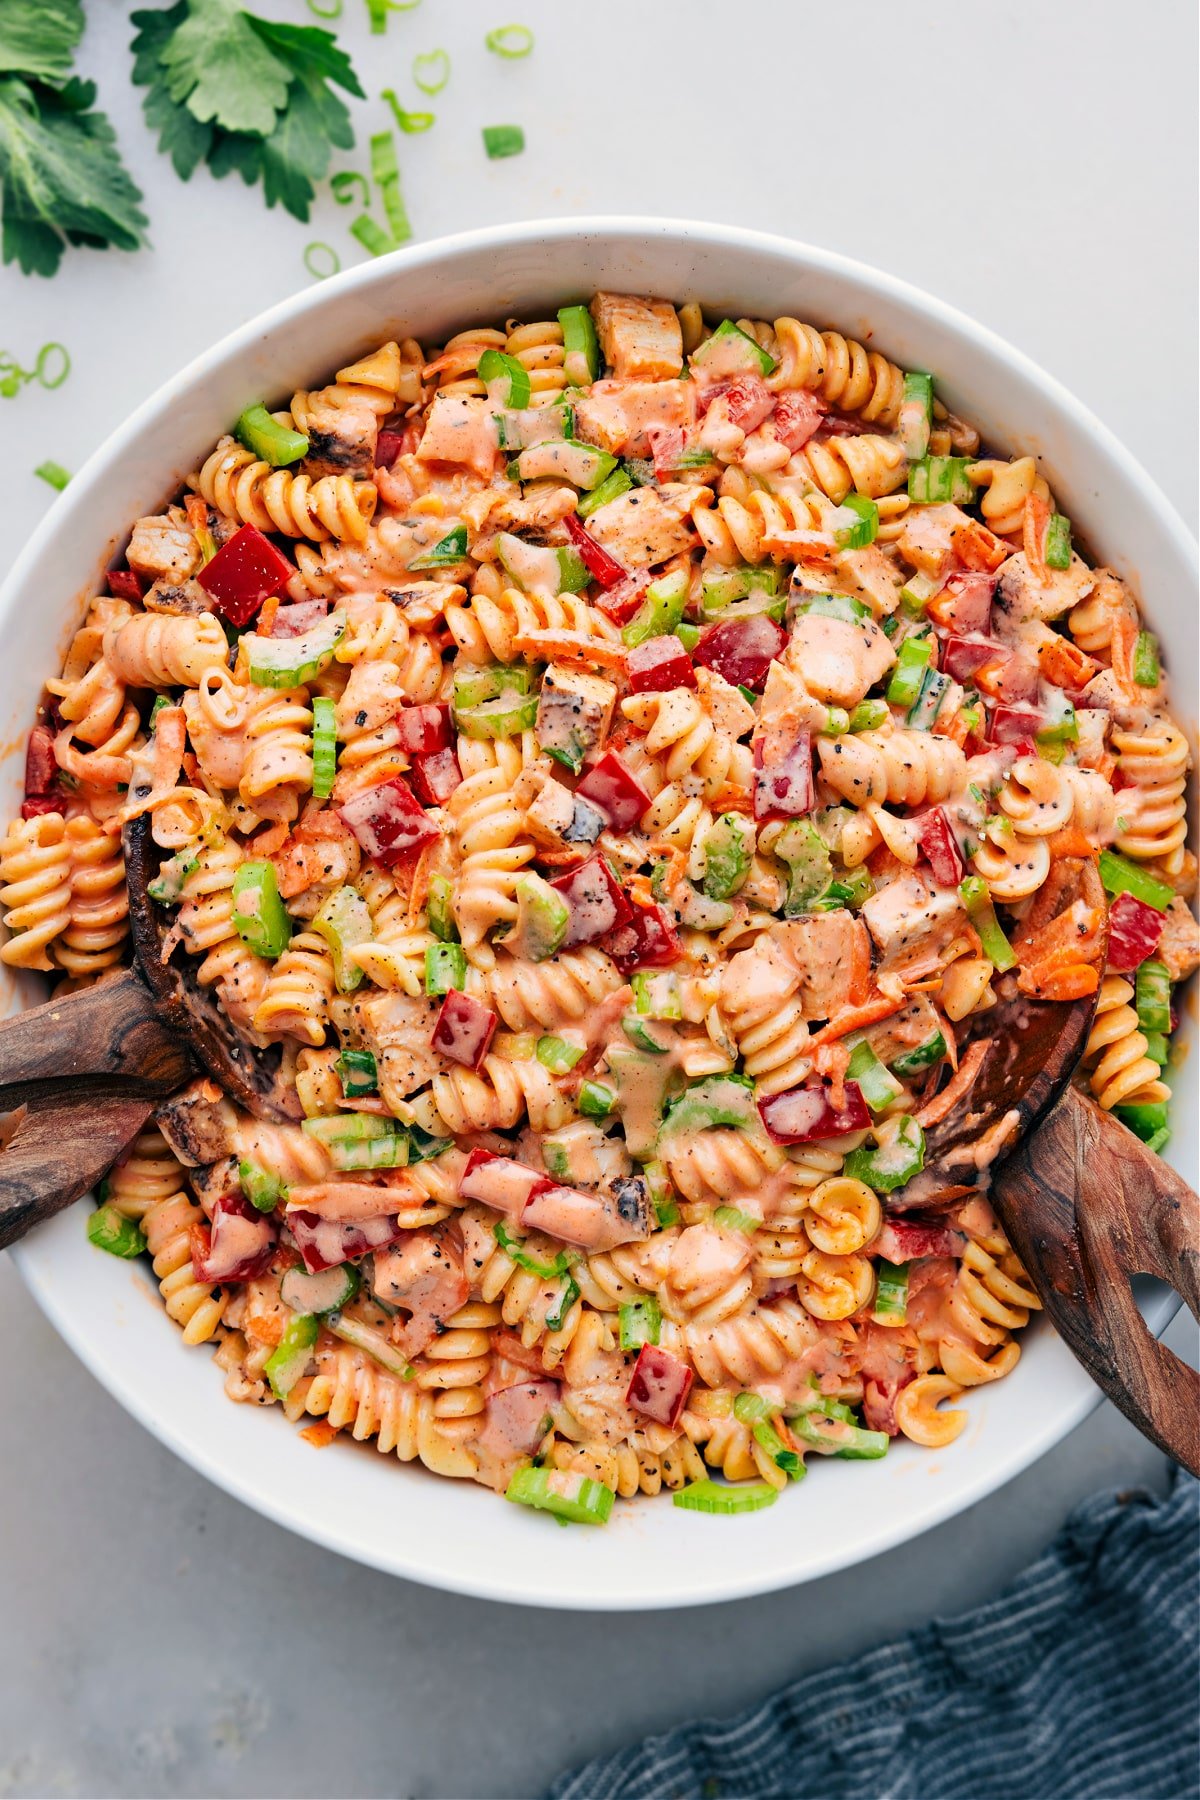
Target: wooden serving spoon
column 1083, row 1201
column 82, row 1075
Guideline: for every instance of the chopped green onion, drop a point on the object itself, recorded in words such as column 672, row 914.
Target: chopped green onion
column 495, row 366
column 324, row 751
column 1153, row 989
column 344, row 921
column 869, row 715
column 378, row 10
column 439, row 909
column 898, row 1155
column 376, row 1346
column 162, row 703
column 262, row 1189
column 167, row 886
column 1147, row 671
column 912, row 664
column 1146, row 1120
column 750, row 1409
column 447, row 551
column 39, row 367
column 865, row 527
column 411, row 124
column 933, row 480
column 515, row 1249
column 431, row 72
column 503, row 140
column 718, row 1497
column 568, row 1294
column 982, row 914
column 835, row 606
column 259, row 915
column 510, row 41
column 573, row 1497
column 891, row 1292
column 595, row 1100
column 555, row 1054
column 619, row 482
column 267, row 439
column 656, row 994
column 424, row 1148
column 1063, row 731
column 53, row 474
column 445, row 968
column 1120, row 876
column 923, row 1057
column 374, row 240
column 789, row 1461
column 836, row 1438
column 924, row 709
column 110, row 1230
column 878, row 1087
column 916, row 414
column 335, row 261
column 288, row 1361
column 730, row 1219
column 332, row 11
column 641, row 1322
column 358, row 1073
column 581, row 347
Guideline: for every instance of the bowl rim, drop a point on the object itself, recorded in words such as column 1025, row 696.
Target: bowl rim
column 547, row 234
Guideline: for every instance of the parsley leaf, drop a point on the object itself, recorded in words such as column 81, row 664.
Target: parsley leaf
column 244, row 94
column 38, row 37
column 61, row 177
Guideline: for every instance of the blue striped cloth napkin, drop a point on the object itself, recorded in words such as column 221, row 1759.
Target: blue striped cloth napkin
column 1077, row 1683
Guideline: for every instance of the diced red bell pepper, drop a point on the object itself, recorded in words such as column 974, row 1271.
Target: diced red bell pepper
column 388, row 446
column 436, row 776
column 879, row 1402
column 325, row 1243
column 902, row 1240
column 464, row 1029
column 962, row 656
column 125, row 584
column 294, row 621
column 498, row 1182
column 612, row 790
column 39, row 804
column 623, row 599
column 666, row 448
column 937, row 840
column 659, row 665
column 1015, row 725
column 41, row 767
column 645, row 941
column 599, row 564
column 804, row 1114
column 659, row 1386
column 742, row 650
column 388, row 821
column 245, row 571
column 1013, row 680
column 584, row 1220
column 1134, row 930
column 597, row 903
column 747, row 401
column 237, row 1244
column 786, row 790
column 798, row 416
column 422, row 729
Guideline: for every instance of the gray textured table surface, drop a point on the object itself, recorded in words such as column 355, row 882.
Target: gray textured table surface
column 155, row 1636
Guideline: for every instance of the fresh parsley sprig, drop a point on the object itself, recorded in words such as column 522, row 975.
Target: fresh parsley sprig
column 242, row 93
column 62, row 180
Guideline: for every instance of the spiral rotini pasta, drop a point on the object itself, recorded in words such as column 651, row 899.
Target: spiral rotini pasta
column 618, row 811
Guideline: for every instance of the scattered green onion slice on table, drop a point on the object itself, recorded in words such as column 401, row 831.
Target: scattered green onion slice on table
column 503, row 140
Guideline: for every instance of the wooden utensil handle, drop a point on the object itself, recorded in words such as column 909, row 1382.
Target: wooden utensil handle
column 109, row 1032
column 1086, row 1205
column 63, row 1143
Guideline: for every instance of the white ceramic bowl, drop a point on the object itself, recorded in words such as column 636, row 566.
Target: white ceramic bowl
column 456, row 1535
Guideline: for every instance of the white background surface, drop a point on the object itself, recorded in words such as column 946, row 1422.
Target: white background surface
column 1034, row 165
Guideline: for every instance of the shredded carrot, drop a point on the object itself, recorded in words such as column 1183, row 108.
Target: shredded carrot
column 978, row 548
column 1123, row 648
column 1037, row 519
column 732, row 799
column 832, row 1062
column 989, row 679
column 639, row 890
column 1074, row 983
column 320, row 1435
column 419, row 892
column 856, row 1018
column 957, row 727
column 271, row 839
column 196, row 512
column 572, row 646
column 170, row 741
column 266, row 616
column 1065, row 664
column 960, row 1083
column 1071, row 842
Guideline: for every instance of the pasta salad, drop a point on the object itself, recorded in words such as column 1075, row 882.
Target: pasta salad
column 620, row 760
